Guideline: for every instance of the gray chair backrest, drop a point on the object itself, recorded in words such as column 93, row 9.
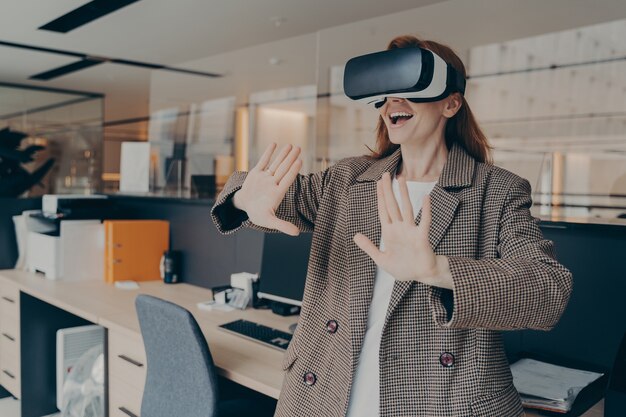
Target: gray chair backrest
column 181, row 378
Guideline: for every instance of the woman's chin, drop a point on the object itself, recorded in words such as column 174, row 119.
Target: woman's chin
column 398, row 139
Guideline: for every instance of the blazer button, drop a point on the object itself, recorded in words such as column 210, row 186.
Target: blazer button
column 310, row 378
column 332, row 326
column 446, row 359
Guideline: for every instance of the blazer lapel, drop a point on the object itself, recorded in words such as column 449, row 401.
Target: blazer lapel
column 443, row 208
column 363, row 218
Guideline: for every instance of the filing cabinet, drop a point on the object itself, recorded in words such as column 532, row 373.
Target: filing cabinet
column 127, row 374
column 10, row 338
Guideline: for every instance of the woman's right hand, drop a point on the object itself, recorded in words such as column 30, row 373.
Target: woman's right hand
column 265, row 188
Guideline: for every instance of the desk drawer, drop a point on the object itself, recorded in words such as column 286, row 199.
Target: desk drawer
column 124, row 400
column 11, row 326
column 127, row 359
column 9, row 290
column 9, row 345
column 9, row 301
column 10, row 375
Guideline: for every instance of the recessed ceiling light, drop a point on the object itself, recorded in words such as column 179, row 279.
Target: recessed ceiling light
column 275, row 61
column 278, row 20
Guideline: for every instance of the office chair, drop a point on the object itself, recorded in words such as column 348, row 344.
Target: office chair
column 181, row 378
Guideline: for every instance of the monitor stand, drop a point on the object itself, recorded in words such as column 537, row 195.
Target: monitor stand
column 284, row 309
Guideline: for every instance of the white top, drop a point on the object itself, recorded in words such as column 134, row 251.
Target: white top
column 365, row 394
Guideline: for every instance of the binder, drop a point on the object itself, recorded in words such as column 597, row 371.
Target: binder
column 586, row 398
column 133, row 249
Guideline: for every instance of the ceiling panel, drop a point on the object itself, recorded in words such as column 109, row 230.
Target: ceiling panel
column 155, row 30
column 183, row 31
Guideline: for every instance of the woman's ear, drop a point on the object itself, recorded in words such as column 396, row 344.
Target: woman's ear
column 452, row 105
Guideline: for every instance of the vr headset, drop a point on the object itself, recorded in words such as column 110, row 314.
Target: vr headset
column 417, row 74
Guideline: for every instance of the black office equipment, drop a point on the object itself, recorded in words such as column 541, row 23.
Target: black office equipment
column 284, row 266
column 203, row 186
column 615, row 400
column 284, row 309
column 171, row 266
column 176, row 166
column 259, row 333
column 591, row 327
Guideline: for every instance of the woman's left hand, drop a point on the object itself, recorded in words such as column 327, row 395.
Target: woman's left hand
column 407, row 255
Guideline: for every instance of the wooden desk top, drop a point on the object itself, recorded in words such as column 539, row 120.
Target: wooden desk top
column 245, row 362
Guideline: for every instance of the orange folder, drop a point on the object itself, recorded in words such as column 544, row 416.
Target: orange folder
column 133, row 249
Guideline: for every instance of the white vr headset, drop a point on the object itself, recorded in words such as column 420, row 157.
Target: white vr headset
column 417, row 74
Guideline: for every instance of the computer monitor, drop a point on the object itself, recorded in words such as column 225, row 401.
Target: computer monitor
column 283, row 267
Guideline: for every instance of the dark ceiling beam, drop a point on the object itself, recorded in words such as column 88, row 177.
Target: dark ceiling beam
column 119, row 61
column 50, row 89
column 66, row 69
column 45, row 108
column 42, row 49
column 84, row 14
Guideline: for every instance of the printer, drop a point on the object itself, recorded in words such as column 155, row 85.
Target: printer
column 65, row 240
column 75, row 206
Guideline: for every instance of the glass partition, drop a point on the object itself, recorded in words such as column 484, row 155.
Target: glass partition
column 552, row 106
column 67, row 128
column 202, row 127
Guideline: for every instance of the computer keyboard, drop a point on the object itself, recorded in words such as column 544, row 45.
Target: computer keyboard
column 259, row 333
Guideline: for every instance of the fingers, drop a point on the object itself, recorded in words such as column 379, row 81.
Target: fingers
column 382, row 208
column 407, row 207
column 390, row 200
column 291, row 175
column 265, row 158
column 279, row 159
column 368, row 247
column 284, row 167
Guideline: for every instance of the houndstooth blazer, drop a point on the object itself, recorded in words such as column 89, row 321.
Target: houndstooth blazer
column 441, row 352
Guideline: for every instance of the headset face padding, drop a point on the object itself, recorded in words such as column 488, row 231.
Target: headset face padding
column 417, row 74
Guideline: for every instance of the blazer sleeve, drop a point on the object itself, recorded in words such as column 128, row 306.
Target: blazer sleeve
column 524, row 288
column 298, row 207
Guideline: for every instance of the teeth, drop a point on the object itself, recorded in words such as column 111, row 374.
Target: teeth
column 400, row 113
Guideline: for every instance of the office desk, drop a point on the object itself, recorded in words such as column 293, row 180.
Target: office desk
column 240, row 360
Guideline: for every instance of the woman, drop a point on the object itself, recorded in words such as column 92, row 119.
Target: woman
column 401, row 314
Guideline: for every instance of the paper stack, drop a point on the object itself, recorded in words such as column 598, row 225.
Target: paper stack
column 549, row 387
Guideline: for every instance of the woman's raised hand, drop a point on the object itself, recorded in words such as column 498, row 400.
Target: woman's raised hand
column 265, row 188
column 407, row 255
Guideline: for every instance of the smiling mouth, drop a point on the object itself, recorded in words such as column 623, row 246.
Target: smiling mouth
column 399, row 117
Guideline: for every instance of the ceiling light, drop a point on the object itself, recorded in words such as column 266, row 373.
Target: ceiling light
column 278, row 20
column 275, row 61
